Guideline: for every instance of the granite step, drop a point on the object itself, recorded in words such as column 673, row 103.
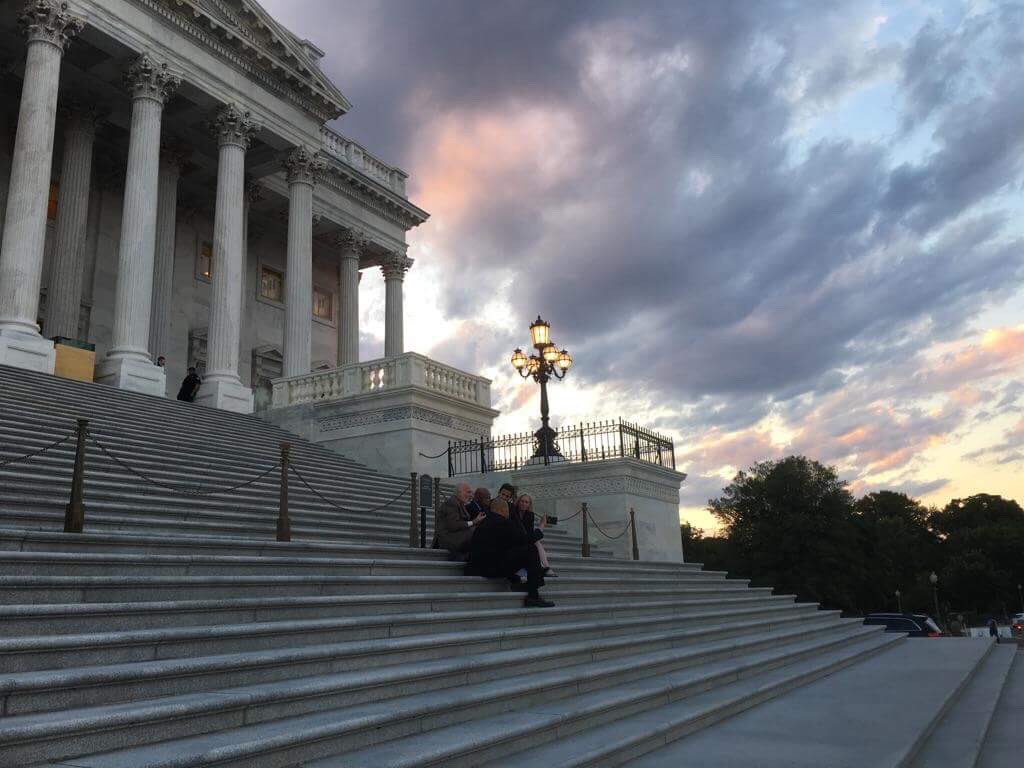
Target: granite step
column 875, row 714
column 411, row 638
column 23, row 654
column 258, row 732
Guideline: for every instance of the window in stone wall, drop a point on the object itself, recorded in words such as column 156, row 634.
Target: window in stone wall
column 51, row 205
column 204, row 263
column 323, row 304
column 271, row 284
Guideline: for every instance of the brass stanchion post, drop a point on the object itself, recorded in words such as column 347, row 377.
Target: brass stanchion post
column 632, row 533
column 74, row 513
column 413, row 532
column 284, row 529
column 586, row 531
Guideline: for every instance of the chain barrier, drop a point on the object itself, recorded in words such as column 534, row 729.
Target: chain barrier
column 602, row 531
column 33, row 454
column 330, row 503
column 199, row 492
column 442, row 453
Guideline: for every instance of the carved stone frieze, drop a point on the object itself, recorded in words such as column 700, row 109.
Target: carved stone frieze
column 49, row 21
column 352, row 243
column 605, row 486
column 234, row 126
column 403, row 413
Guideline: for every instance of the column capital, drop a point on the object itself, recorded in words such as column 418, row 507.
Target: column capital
column 175, row 152
column 49, row 21
column 83, row 114
column 254, row 191
column 352, row 243
column 303, row 166
column 394, row 266
column 146, row 78
column 234, row 126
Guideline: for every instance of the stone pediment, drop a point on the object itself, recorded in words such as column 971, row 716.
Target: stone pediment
column 245, row 34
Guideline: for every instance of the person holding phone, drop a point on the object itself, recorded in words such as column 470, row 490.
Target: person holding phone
column 524, row 515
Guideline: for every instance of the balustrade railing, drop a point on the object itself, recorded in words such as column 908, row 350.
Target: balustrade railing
column 588, row 442
column 353, row 154
column 409, row 369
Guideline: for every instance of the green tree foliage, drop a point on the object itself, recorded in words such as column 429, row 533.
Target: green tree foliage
column 793, row 524
column 790, row 524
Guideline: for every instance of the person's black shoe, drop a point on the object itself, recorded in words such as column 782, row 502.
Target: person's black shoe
column 537, row 602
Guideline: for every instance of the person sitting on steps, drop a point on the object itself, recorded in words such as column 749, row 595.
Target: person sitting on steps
column 500, row 548
column 454, row 525
column 481, row 502
column 522, row 512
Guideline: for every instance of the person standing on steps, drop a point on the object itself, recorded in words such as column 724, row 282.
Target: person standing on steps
column 190, row 386
column 500, row 548
column 454, row 525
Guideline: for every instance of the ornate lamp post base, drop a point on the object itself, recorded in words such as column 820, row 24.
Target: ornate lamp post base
column 547, row 448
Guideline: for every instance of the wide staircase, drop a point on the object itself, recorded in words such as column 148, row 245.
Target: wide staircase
column 175, row 630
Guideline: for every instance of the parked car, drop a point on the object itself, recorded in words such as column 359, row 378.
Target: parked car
column 914, row 624
column 1017, row 626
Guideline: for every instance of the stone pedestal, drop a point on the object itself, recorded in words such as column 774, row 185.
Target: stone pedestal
column 610, row 488
column 26, row 350
column 132, row 374
column 226, row 395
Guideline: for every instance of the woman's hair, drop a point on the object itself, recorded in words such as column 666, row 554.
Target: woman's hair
column 499, row 507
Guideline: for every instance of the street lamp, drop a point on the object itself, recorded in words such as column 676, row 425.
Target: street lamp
column 549, row 361
column 934, row 579
column 899, row 603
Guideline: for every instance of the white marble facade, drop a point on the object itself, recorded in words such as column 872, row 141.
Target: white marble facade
column 185, row 133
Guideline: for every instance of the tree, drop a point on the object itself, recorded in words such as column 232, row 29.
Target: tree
column 790, row 523
column 714, row 552
column 981, row 542
column 901, row 550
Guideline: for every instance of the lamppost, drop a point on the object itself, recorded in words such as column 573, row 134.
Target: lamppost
column 934, row 579
column 549, row 361
column 899, row 602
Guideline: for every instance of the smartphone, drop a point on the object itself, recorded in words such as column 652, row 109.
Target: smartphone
column 552, row 520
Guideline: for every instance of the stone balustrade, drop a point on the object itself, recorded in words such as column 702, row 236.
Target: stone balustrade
column 353, row 154
column 382, row 375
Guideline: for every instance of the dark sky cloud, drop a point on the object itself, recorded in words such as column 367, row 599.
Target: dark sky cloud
column 662, row 172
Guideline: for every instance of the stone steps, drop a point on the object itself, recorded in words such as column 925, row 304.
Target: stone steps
column 956, row 740
column 268, row 727
column 350, row 647
column 176, row 631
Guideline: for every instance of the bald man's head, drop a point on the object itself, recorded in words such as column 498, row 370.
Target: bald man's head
column 464, row 492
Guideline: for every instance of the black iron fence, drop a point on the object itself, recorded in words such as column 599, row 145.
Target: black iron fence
column 574, row 444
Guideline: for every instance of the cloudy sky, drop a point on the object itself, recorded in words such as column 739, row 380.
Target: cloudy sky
column 761, row 228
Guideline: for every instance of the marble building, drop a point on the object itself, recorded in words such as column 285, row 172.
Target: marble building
column 170, row 187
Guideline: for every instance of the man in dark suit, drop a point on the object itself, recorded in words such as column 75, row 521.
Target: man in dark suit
column 453, row 524
column 501, row 547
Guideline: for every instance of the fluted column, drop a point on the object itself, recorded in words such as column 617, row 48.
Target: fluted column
column 223, row 387
column 48, row 27
column 303, row 169
column 128, row 364
column 394, row 267
column 351, row 244
column 172, row 157
column 64, row 295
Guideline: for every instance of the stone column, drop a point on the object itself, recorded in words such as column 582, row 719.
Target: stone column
column 223, row 387
column 48, row 27
column 394, row 267
column 128, row 364
column 352, row 244
column 172, row 157
column 64, row 300
column 303, row 169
